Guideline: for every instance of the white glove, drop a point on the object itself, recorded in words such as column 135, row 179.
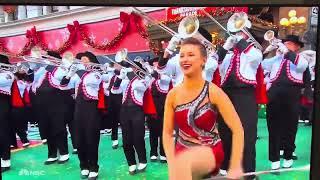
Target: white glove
column 72, row 71
column 123, row 73
column 147, row 79
column 24, row 68
column 173, row 43
column 66, row 63
column 282, row 48
column 32, row 66
column 230, row 42
column 270, row 48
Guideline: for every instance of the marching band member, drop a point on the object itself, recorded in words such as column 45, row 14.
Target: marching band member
column 19, row 106
column 87, row 116
column 159, row 88
column 114, row 103
column 68, row 93
column 286, row 75
column 6, row 80
column 37, row 98
column 171, row 66
column 54, row 112
column 238, row 70
column 132, row 119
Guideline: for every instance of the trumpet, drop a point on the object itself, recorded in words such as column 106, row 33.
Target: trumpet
column 239, row 22
column 122, row 55
column 270, row 36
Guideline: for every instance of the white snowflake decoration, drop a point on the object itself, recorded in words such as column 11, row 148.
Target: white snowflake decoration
column 65, row 34
column 92, row 37
column 105, row 41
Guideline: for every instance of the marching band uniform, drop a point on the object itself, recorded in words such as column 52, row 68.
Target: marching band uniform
column 68, row 93
column 52, row 120
column 87, row 120
column 19, row 110
column 116, row 89
column 132, row 120
column 286, row 75
column 56, row 115
column 238, row 71
column 36, row 99
column 171, row 66
column 6, row 80
column 159, row 88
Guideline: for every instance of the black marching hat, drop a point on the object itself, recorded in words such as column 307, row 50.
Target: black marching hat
column 4, row 59
column 54, row 54
column 89, row 55
column 294, row 39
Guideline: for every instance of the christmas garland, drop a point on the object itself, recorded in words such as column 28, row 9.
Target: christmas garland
column 78, row 32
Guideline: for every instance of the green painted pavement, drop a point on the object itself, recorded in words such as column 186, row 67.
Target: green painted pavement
column 28, row 164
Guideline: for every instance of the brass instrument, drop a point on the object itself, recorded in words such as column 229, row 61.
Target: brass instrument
column 91, row 67
column 153, row 21
column 122, row 55
column 189, row 27
column 239, row 22
column 270, row 36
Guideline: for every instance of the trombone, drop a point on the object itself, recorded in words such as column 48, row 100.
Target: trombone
column 237, row 22
column 188, row 27
column 122, row 55
column 91, row 67
column 153, row 21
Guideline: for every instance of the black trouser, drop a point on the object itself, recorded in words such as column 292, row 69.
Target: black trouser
column 87, row 133
column 133, row 130
column 282, row 121
column 70, row 106
column 244, row 101
column 115, row 103
column 54, row 122
column 19, row 124
column 4, row 127
column 38, row 113
column 155, row 128
column 57, row 142
column 305, row 112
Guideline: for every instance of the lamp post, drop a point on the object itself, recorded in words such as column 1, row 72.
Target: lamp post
column 292, row 24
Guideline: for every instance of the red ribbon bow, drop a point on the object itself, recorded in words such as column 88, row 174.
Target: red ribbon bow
column 128, row 20
column 73, row 29
column 32, row 35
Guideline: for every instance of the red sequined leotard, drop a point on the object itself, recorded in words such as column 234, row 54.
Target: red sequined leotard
column 197, row 125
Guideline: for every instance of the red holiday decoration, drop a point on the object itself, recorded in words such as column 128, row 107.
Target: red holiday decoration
column 33, row 36
column 130, row 22
column 9, row 9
